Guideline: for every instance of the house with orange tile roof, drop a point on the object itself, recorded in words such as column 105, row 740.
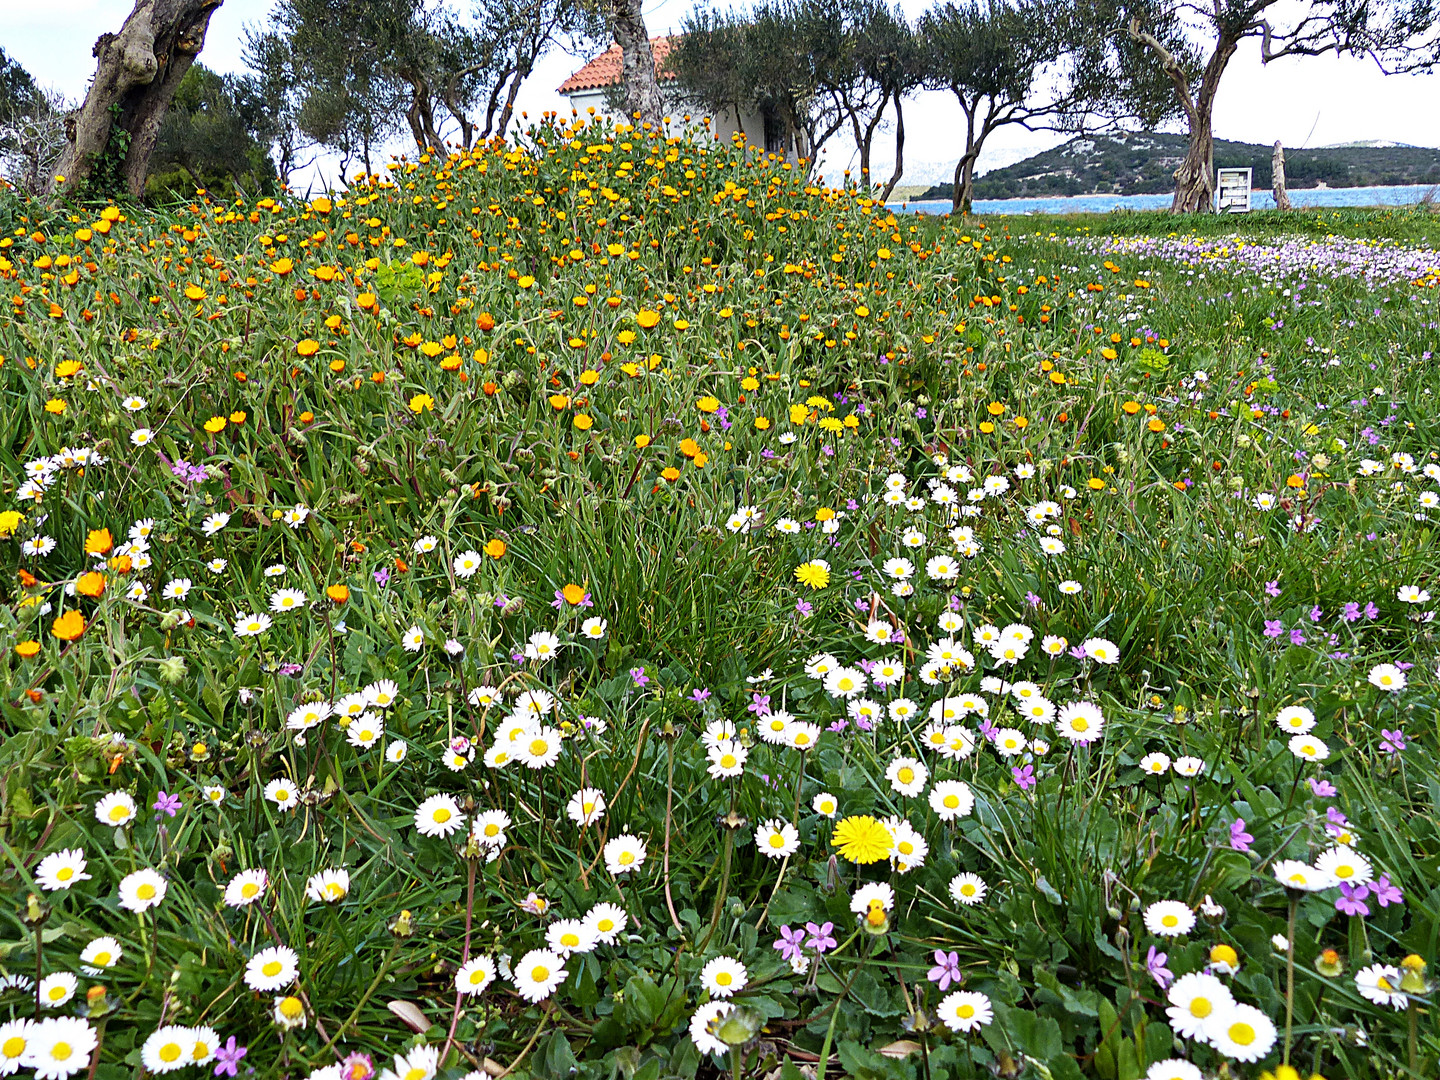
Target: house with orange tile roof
column 596, row 86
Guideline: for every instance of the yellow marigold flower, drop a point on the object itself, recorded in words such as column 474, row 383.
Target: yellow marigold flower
column 642, row 441
column 66, row 368
column 583, row 421
column 338, row 593
column 215, row 425
column 282, row 266
column 573, row 594
column 525, row 281
column 689, row 447
column 422, row 403
column 55, row 405
column 238, row 416
column 495, row 548
column 626, row 337
column 798, row 413
column 69, row 626
column 670, row 473
column 1095, row 484
column 321, row 205
column 27, row 649
column 995, row 408
column 1155, row 424
column 589, row 377
column 98, row 542
column 824, row 513
column 815, row 574
column 10, row 521
column 986, row 427
column 762, row 423
column 647, row 319
column 194, row 292
column 307, row 346
column 559, row 401
column 708, row 404
column 861, row 839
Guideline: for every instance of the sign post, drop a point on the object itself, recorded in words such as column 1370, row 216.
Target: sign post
column 1232, row 191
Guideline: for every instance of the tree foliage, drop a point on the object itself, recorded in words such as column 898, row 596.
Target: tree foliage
column 32, row 128
column 809, row 67
column 217, row 136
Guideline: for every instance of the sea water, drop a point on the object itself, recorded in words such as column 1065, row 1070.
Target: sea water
column 1300, row 198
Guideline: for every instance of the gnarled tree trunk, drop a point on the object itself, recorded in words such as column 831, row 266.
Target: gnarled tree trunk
column 113, row 134
column 639, row 83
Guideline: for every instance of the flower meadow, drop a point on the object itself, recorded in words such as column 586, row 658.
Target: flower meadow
column 607, row 606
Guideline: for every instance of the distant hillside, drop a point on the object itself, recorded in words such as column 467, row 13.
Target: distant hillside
column 1144, row 163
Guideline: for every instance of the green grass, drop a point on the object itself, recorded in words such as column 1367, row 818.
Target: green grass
column 804, row 347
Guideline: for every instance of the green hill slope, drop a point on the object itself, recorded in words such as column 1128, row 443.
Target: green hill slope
column 1144, row 163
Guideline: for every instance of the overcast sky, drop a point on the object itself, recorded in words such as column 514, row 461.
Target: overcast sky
column 1303, row 102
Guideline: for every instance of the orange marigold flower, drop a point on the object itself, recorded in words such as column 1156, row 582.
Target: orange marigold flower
column 91, row 584
column 27, row 649
column 495, row 548
column 307, row 346
column 338, row 593
column 98, row 542
column 69, row 626
column 647, row 319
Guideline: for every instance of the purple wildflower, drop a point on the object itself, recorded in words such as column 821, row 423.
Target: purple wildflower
column 1155, row 965
column 790, row 943
column 1274, row 628
column 382, row 576
column 699, row 694
column 1272, row 588
column 760, row 706
column 1024, row 778
column 1297, row 636
column 1385, row 893
column 227, row 1057
column 804, row 608
column 166, row 804
column 1351, row 900
column 1321, row 788
column 822, row 937
column 1240, row 840
column 946, row 969
column 638, row 674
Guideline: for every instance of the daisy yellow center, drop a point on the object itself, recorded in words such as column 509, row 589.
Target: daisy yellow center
column 65, row 873
column 588, row 807
column 1297, row 878
column 777, row 841
column 61, row 1051
column 477, row 977
column 724, row 978
column 540, row 973
column 570, row 940
column 146, row 891
column 965, row 1012
column 605, row 925
column 334, row 890
column 802, row 739
column 539, row 747
column 1080, row 724
column 626, row 858
column 119, row 812
column 847, row 684
column 907, row 775
column 1241, row 1034
column 1344, row 871
column 170, row 1052
column 967, row 889
column 249, row 890
column 492, row 829
column 442, row 815
column 1170, row 920
column 1383, row 983
column 13, row 1046
column 272, row 968
column 1201, row 1007
column 291, row 1007
column 282, row 796
column 415, row 1074
column 827, row 808
column 57, row 993
column 201, row 1051
column 102, row 958
column 727, row 761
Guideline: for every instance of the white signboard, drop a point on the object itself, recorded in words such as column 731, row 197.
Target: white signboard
column 1232, row 191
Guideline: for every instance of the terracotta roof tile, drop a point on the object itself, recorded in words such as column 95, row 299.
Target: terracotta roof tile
column 606, row 68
